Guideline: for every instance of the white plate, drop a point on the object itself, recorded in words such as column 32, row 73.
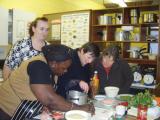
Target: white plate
column 118, row 96
column 99, row 97
column 106, row 103
column 77, row 115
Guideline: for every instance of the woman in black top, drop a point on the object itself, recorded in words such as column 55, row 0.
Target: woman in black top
column 78, row 75
column 113, row 71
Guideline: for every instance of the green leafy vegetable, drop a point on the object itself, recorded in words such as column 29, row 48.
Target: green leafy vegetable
column 125, row 98
column 142, row 98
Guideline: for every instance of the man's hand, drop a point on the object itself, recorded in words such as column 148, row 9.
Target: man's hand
column 84, row 86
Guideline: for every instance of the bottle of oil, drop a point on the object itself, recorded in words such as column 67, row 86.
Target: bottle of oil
column 95, row 84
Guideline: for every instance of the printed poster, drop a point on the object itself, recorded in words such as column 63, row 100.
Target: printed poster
column 75, row 29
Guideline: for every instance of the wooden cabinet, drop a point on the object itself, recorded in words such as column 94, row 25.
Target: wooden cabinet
column 131, row 28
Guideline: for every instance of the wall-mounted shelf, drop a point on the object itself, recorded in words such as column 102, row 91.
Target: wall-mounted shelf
column 109, row 25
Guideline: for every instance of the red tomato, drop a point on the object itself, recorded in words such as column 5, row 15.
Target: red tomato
column 124, row 103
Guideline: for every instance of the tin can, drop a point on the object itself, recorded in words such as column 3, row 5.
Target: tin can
column 142, row 112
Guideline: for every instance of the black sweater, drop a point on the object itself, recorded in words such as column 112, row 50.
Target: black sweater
column 76, row 72
column 120, row 75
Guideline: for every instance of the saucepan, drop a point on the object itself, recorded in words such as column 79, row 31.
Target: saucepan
column 77, row 97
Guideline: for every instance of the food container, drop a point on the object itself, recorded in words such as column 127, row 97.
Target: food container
column 134, row 19
column 133, row 12
column 77, row 97
column 149, row 17
column 134, row 16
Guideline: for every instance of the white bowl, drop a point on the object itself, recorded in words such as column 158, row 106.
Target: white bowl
column 77, row 115
column 100, row 97
column 111, row 91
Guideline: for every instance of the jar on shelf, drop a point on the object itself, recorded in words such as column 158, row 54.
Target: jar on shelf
column 134, row 16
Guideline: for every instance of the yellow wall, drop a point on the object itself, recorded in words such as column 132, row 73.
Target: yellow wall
column 41, row 7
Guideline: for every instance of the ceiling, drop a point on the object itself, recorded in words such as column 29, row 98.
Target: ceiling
column 128, row 1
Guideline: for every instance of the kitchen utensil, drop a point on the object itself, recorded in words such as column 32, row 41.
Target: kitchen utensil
column 148, row 79
column 77, row 97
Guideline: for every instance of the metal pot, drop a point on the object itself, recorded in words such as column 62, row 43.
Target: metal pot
column 77, row 97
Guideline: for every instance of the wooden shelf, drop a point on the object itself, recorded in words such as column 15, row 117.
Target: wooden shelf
column 100, row 41
column 103, row 34
column 125, row 41
column 149, row 24
column 141, row 61
column 132, row 41
column 117, row 25
column 99, row 25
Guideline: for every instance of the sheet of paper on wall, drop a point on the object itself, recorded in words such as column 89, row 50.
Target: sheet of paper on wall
column 20, row 34
column 75, row 29
column 56, row 32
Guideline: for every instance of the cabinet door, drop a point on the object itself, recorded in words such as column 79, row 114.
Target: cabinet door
column 3, row 26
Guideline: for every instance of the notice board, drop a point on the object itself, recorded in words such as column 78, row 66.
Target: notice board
column 70, row 28
column 75, row 29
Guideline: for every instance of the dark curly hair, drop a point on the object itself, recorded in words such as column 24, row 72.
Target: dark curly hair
column 56, row 52
column 34, row 24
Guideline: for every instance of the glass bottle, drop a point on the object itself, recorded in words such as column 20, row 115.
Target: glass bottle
column 95, row 84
